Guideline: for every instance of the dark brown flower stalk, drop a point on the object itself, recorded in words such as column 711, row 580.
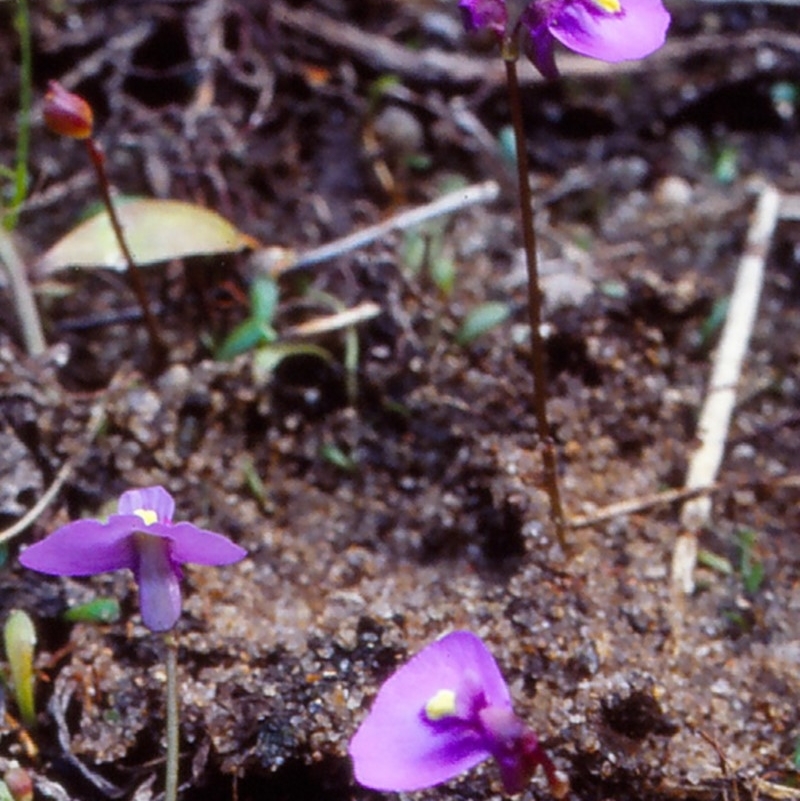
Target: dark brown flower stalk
column 68, row 114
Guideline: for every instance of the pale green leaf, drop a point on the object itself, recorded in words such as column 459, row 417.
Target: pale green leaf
column 482, row 319
column 155, row 230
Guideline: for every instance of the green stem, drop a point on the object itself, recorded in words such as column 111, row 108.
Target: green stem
column 173, row 729
column 22, row 22
column 537, row 356
column 157, row 347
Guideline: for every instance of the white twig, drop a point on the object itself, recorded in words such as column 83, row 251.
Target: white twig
column 712, row 428
column 334, row 322
column 21, row 292
column 96, row 421
column 276, row 263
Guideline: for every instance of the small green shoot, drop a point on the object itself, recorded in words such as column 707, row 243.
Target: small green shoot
column 616, row 290
column 424, row 251
column 481, row 319
column 19, row 175
column 381, row 87
column 784, row 96
column 750, row 568
column 712, row 325
column 257, row 334
column 99, row 610
column 334, row 455
column 257, row 329
column 726, row 165
column 5, row 793
column 352, row 349
column 715, row 562
column 507, row 145
column 256, row 486
column 267, row 357
column 20, row 641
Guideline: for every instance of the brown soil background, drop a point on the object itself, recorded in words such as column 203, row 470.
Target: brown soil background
column 264, row 112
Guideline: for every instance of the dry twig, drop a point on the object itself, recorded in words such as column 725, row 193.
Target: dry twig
column 95, row 423
column 24, row 302
column 712, row 428
column 277, row 261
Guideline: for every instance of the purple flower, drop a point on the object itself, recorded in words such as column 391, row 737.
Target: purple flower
column 141, row 537
column 609, row 30
column 445, row 711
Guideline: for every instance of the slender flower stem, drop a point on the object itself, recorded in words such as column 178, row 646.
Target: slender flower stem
column 173, row 731
column 157, row 346
column 537, row 358
column 22, row 22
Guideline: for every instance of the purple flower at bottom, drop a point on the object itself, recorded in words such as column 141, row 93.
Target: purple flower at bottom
column 608, row 30
column 142, row 538
column 445, row 711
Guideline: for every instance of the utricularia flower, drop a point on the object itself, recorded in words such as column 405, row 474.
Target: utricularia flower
column 445, row 711
column 609, row 30
column 142, row 538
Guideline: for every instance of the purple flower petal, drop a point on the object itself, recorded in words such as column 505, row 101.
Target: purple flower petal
column 480, row 14
column 83, row 548
column 159, row 582
column 142, row 538
column 634, row 32
column 153, row 499
column 198, row 546
column 539, row 47
column 398, row 747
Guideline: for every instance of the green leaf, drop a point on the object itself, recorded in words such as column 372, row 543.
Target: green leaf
column 20, row 641
column 443, row 274
column 246, row 336
column 715, row 562
column 482, row 319
column 268, row 357
column 155, row 230
column 726, row 165
column 714, row 322
column 263, row 299
column 751, row 569
column 100, row 610
column 337, row 457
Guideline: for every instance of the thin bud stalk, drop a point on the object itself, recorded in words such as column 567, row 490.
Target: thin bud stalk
column 134, row 278
column 537, row 356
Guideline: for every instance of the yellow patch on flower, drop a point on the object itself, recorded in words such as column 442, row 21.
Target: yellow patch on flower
column 611, row 6
column 441, row 705
column 148, row 515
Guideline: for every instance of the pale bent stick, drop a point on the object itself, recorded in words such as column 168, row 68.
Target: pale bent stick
column 24, row 302
column 457, row 200
column 98, row 417
column 715, row 416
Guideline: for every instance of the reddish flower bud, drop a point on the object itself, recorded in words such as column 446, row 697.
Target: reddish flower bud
column 66, row 113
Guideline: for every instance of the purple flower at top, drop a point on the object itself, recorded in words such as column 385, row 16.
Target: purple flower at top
column 142, row 538
column 609, row 30
column 445, row 711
